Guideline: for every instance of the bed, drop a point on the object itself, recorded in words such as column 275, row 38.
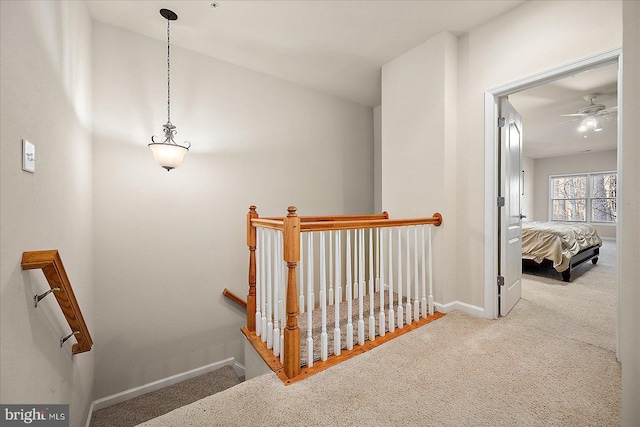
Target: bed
column 559, row 245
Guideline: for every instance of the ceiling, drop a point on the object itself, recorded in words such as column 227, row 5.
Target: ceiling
column 337, row 47
column 548, row 134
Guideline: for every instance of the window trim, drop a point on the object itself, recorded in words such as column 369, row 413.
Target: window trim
column 589, row 196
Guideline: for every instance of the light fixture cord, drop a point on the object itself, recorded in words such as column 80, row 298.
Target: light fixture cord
column 168, row 75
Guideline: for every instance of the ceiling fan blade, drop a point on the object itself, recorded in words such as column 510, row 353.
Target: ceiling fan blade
column 609, row 110
column 564, row 122
column 573, row 115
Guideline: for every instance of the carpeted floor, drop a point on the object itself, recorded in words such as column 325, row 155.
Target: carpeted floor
column 550, row 362
column 154, row 404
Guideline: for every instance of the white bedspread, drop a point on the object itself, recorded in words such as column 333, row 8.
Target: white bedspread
column 556, row 241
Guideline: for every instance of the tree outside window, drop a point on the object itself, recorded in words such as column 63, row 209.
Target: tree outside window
column 584, row 197
column 569, row 198
column 603, row 197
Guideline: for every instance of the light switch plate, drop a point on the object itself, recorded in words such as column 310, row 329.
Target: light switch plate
column 28, row 156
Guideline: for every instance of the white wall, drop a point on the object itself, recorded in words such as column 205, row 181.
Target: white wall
column 45, row 73
column 629, row 239
column 419, row 146
column 377, row 159
column 167, row 244
column 528, row 166
column 532, row 38
column 577, row 163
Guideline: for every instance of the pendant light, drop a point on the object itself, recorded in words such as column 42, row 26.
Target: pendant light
column 168, row 153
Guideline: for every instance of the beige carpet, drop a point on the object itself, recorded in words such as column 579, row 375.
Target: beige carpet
column 156, row 403
column 550, row 362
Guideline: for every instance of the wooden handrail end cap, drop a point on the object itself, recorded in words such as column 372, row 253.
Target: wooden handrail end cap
column 438, row 217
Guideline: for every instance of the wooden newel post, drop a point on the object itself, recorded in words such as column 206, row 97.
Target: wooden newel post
column 292, row 256
column 251, row 296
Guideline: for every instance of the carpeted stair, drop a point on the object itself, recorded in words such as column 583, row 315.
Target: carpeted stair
column 151, row 405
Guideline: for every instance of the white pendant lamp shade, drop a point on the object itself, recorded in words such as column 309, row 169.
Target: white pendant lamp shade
column 169, row 156
column 168, row 153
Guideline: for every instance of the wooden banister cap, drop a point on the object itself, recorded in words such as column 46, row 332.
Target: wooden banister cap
column 292, row 211
column 438, row 216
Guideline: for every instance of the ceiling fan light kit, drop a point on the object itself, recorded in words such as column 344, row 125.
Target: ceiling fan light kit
column 591, row 114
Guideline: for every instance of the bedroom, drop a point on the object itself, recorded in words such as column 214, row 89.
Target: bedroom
column 561, row 159
column 569, row 170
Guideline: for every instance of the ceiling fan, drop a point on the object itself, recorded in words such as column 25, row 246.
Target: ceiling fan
column 591, row 113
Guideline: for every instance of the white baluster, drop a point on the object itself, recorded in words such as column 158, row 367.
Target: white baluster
column 331, row 268
column 349, row 294
column 270, row 281
column 323, row 299
column 400, row 307
column 338, row 289
column 377, row 259
column 408, row 279
column 300, row 273
column 392, row 314
column 337, row 337
column 381, row 319
column 356, row 269
column 259, row 279
column 283, row 293
column 431, row 310
column 361, row 285
column 263, row 302
column 425, row 308
column 372, row 317
column 416, row 299
column 276, row 295
column 310, row 299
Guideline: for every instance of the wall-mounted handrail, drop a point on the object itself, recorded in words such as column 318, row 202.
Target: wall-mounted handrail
column 53, row 269
column 233, row 297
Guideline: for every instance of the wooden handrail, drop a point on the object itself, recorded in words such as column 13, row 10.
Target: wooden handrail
column 233, row 297
column 366, row 217
column 53, row 269
column 314, row 218
column 436, row 220
column 346, row 222
column 275, row 224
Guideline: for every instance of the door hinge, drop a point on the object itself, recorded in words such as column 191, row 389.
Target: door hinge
column 501, row 122
column 500, row 281
column 501, row 201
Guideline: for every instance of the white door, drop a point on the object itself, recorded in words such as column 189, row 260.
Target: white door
column 510, row 216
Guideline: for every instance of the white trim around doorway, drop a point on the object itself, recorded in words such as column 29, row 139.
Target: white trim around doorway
column 608, row 57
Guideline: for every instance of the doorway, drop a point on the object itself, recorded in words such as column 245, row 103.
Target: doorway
column 492, row 171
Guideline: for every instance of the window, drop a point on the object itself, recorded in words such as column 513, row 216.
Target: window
column 603, row 197
column 589, row 197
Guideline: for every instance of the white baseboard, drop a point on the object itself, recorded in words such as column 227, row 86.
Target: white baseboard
column 88, row 423
column 239, row 369
column 473, row 310
column 157, row 385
